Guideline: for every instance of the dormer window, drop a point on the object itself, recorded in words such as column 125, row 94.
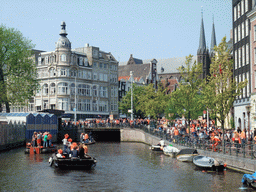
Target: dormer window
column 81, row 61
column 39, row 61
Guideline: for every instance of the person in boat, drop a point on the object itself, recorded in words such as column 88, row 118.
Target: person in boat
column 81, row 151
column 69, row 143
column 74, row 152
column 34, row 139
column 49, row 139
column 45, row 140
column 39, row 139
column 60, row 154
column 65, row 143
column 82, row 138
column 90, row 136
column 86, row 138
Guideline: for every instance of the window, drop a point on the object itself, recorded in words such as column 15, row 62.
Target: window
column 247, row 53
column 247, row 86
column 95, row 91
column 52, row 72
column 84, row 90
column 63, row 57
column 103, row 92
column 235, row 56
column 87, row 105
column 86, row 62
column 242, row 30
column 246, row 27
column 63, row 103
column 235, row 15
column 72, row 89
column 89, row 75
column 235, row 38
column 63, row 72
column 73, row 73
column 94, row 64
column 95, row 76
column 239, row 57
column 52, row 89
column 45, row 104
column 63, row 88
column 242, row 7
column 84, row 74
column 246, row 5
column 101, row 65
column 39, row 61
column 243, row 56
column 238, row 11
column 81, row 61
column 105, row 77
column 244, row 92
column 47, row 60
column 45, row 90
column 94, row 105
column 254, row 33
column 103, row 106
column 114, row 91
column 239, row 33
column 101, row 76
column 113, row 105
column 105, row 66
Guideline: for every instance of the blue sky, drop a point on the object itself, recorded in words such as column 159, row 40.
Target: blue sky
column 145, row 28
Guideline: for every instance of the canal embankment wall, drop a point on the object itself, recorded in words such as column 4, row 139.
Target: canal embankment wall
column 233, row 162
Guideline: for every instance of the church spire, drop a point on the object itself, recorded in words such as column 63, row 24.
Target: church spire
column 202, row 43
column 213, row 40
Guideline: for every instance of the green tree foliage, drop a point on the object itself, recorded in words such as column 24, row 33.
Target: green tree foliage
column 186, row 100
column 17, row 69
column 221, row 90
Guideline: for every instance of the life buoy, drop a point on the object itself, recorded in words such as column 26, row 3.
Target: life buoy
column 50, row 161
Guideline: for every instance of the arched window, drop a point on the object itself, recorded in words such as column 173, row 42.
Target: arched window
column 45, row 89
column 63, row 88
column 52, row 89
column 52, row 72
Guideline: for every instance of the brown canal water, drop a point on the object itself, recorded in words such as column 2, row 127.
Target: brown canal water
column 122, row 167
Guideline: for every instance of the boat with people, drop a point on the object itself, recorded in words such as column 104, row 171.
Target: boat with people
column 171, row 151
column 67, row 162
column 208, row 163
column 39, row 149
column 186, row 154
column 159, row 147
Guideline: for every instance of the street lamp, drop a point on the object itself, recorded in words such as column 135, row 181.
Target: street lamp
column 131, row 73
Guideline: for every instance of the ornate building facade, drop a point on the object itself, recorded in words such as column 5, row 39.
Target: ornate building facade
column 82, row 81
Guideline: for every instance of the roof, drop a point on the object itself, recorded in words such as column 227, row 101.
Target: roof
column 139, row 71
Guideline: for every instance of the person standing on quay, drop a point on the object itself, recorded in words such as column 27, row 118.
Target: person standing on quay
column 45, row 140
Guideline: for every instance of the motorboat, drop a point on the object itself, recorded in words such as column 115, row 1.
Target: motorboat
column 186, row 155
column 249, row 179
column 40, row 150
column 208, row 163
column 66, row 162
column 157, row 148
column 171, row 151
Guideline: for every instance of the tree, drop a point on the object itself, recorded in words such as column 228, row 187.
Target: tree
column 221, row 90
column 153, row 102
column 17, row 69
column 187, row 99
column 125, row 103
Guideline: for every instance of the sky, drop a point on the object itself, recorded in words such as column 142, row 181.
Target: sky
column 147, row 29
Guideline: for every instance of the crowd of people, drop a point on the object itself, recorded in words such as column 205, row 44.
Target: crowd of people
column 40, row 139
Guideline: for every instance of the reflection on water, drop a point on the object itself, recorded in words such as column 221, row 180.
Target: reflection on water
column 120, row 167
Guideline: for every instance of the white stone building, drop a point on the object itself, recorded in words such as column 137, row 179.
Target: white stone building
column 84, row 80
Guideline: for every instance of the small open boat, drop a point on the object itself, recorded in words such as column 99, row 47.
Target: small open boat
column 87, row 162
column 156, row 148
column 171, row 151
column 249, row 179
column 208, row 163
column 187, row 154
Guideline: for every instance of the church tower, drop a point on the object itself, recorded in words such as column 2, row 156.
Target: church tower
column 203, row 53
column 213, row 42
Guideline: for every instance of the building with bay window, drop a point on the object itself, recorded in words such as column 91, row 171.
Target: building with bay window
column 81, row 79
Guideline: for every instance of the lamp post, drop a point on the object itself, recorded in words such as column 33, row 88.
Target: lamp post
column 131, row 73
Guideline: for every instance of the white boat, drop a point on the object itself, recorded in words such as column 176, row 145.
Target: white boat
column 187, row 154
column 205, row 162
column 156, row 148
column 171, row 151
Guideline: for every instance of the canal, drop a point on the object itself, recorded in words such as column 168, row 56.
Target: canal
column 120, row 167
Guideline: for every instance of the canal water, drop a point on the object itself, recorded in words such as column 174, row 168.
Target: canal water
column 125, row 167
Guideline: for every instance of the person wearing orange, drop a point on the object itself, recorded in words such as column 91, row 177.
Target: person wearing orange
column 216, row 141
column 176, row 133
column 49, row 139
column 86, row 138
column 60, row 154
column 243, row 137
column 39, row 139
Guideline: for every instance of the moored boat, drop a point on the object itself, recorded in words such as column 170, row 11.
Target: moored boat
column 249, row 179
column 208, row 163
column 87, row 162
column 187, row 155
column 156, row 148
column 171, row 151
column 40, row 150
